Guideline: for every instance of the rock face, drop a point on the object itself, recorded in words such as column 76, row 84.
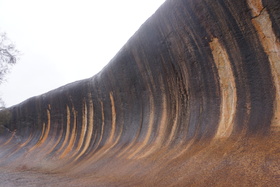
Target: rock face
column 192, row 99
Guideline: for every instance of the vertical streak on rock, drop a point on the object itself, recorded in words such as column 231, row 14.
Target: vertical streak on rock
column 102, row 124
column 162, row 126
column 104, row 149
column 90, row 117
column 45, row 131
column 113, row 130
column 56, row 143
column 48, row 125
column 150, row 128
column 228, row 89
column 110, row 143
column 84, row 128
column 127, row 148
column 42, row 134
column 263, row 26
column 67, row 130
column 73, row 135
column 174, row 124
column 140, row 59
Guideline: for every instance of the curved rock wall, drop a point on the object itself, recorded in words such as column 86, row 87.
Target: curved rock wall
column 191, row 99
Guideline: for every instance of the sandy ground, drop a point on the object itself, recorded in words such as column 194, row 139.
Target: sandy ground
column 253, row 161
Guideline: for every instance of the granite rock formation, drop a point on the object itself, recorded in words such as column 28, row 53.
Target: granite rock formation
column 192, row 99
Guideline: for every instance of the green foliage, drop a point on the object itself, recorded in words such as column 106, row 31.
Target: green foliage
column 8, row 55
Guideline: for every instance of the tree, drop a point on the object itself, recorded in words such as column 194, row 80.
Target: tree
column 8, row 57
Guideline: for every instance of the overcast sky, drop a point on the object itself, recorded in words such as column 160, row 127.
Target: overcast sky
column 65, row 40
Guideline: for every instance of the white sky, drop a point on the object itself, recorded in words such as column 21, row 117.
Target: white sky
column 65, row 40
